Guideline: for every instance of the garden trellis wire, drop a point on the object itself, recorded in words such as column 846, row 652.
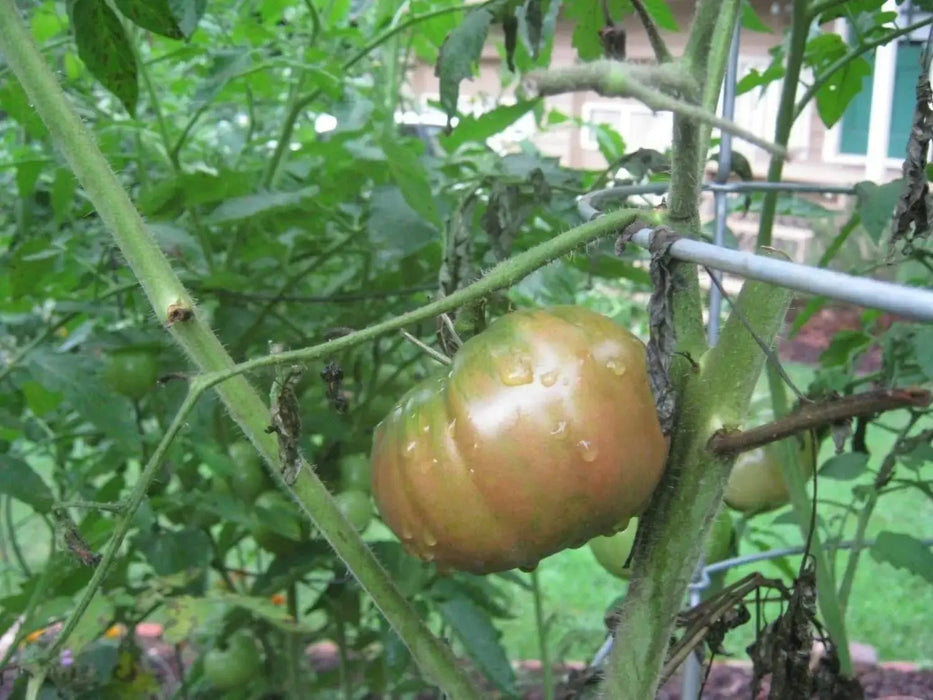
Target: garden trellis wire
column 908, row 302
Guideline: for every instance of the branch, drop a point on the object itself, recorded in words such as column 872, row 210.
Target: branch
column 661, row 51
column 621, row 79
column 815, row 415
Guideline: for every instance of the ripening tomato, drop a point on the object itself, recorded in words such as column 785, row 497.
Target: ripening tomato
column 543, row 435
column 613, row 552
column 757, row 484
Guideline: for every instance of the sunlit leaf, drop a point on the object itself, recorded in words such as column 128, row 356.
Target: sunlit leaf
column 105, row 49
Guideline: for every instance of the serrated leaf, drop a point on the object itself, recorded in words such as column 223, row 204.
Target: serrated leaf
column 481, row 639
column 106, row 50
column 459, row 56
column 154, row 15
column 18, row 480
column 844, row 467
column 395, row 229
column 904, row 552
column 409, row 174
column 253, row 205
column 77, row 378
column 478, row 129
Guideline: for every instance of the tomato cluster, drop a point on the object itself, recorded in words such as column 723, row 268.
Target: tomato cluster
column 542, row 435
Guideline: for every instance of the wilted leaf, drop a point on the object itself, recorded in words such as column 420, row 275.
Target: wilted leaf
column 106, row 50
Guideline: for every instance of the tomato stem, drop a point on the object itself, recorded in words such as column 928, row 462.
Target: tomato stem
column 541, row 626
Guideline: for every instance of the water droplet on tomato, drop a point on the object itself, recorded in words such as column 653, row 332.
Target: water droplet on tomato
column 517, row 372
column 450, row 427
column 427, row 556
column 616, row 366
column 588, row 451
column 410, row 447
column 426, row 429
column 429, row 539
column 549, row 378
column 560, row 428
column 406, row 534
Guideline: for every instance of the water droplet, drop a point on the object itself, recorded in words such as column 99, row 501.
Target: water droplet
column 429, row 539
column 411, row 447
column 450, row 428
column 406, row 534
column 427, row 556
column 588, row 451
column 434, row 461
column 517, row 371
column 560, row 428
column 616, row 366
column 472, row 470
column 426, row 429
column 549, row 378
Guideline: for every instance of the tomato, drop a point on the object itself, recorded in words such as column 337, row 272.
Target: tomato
column 542, row 435
column 757, row 484
column 279, row 526
column 132, row 372
column 355, row 473
column 613, row 552
column 355, row 507
column 234, row 666
column 248, row 479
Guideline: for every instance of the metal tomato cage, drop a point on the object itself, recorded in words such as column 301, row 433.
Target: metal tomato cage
column 909, row 302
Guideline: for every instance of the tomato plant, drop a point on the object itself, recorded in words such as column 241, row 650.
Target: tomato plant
column 757, row 484
column 355, row 507
column 132, row 371
column 233, row 666
column 249, row 478
column 542, row 435
column 613, row 552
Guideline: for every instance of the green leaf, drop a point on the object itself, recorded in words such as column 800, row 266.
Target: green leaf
column 241, row 208
column 922, row 343
column 845, row 345
column 460, row 55
column 39, row 399
column 876, row 205
column 474, row 628
column 170, row 552
column 843, row 84
column 751, row 20
column 17, row 479
column 478, row 129
column 844, row 467
column 395, row 229
column 154, row 15
column 26, row 174
column 184, row 614
column 106, row 50
column 264, row 608
column 188, row 13
column 535, row 12
column 63, row 191
column 16, row 103
column 660, row 12
column 904, row 552
column 92, row 624
column 78, row 378
column 409, row 174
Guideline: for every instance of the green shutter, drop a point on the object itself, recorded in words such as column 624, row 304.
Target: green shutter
column 907, row 72
column 853, row 133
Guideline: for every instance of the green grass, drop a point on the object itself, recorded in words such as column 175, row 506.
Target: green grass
column 889, row 607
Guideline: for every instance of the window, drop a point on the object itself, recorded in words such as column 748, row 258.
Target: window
column 636, row 124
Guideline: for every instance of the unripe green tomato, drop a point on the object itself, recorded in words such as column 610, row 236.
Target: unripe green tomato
column 271, row 539
column 757, row 484
column 233, row 666
column 132, row 372
column 355, row 473
column 356, row 507
column 613, row 552
column 248, row 479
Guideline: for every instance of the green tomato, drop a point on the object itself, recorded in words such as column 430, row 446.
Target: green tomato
column 248, row 479
column 613, row 552
column 234, row 666
column 756, row 483
column 279, row 527
column 355, row 473
column 132, row 372
column 356, row 507
column 542, row 434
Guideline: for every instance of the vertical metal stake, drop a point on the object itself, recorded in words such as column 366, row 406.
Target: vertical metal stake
column 692, row 669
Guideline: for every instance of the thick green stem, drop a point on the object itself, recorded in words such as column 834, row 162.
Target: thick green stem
column 165, row 291
column 799, row 30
